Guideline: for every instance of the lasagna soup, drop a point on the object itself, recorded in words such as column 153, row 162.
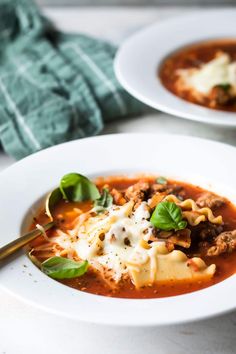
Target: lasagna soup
column 144, row 237
column 204, row 74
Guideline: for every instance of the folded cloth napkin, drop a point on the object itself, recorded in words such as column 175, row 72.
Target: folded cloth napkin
column 54, row 87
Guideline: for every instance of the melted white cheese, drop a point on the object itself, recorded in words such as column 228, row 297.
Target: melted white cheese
column 218, row 71
column 110, row 240
column 115, row 243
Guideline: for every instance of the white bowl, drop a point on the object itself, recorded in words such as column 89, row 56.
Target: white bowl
column 138, row 60
column 209, row 164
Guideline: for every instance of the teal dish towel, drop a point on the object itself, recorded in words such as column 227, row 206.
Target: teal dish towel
column 54, row 87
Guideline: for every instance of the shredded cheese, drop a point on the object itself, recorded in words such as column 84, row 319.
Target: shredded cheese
column 43, row 232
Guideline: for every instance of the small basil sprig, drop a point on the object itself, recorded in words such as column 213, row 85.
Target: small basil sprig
column 161, row 180
column 77, row 188
column 168, row 216
column 63, row 268
column 104, row 202
column 225, row 87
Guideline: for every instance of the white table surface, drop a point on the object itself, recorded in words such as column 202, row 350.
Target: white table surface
column 25, row 329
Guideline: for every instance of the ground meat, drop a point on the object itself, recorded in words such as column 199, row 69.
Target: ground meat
column 157, row 188
column 210, row 200
column 118, row 197
column 142, row 191
column 175, row 238
column 175, row 189
column 206, row 231
column 203, row 235
column 181, row 238
column 225, row 242
column 137, row 192
column 167, row 189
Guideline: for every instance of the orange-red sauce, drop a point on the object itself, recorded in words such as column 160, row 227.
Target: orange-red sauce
column 192, row 57
column 92, row 283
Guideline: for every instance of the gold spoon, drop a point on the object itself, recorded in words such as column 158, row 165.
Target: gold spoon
column 21, row 241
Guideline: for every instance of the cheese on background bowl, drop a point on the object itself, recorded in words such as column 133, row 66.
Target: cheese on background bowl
column 219, row 71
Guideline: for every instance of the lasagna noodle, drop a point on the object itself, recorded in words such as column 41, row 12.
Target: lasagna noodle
column 148, row 266
column 192, row 213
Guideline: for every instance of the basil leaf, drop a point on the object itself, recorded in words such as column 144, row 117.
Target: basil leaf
column 182, row 224
column 224, row 87
column 168, row 216
column 77, row 188
column 161, row 180
column 63, row 268
column 104, row 202
column 52, row 199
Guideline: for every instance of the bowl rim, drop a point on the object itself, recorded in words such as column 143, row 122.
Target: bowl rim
column 103, row 310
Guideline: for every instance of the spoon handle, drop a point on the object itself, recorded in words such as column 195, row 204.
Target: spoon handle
column 21, row 241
